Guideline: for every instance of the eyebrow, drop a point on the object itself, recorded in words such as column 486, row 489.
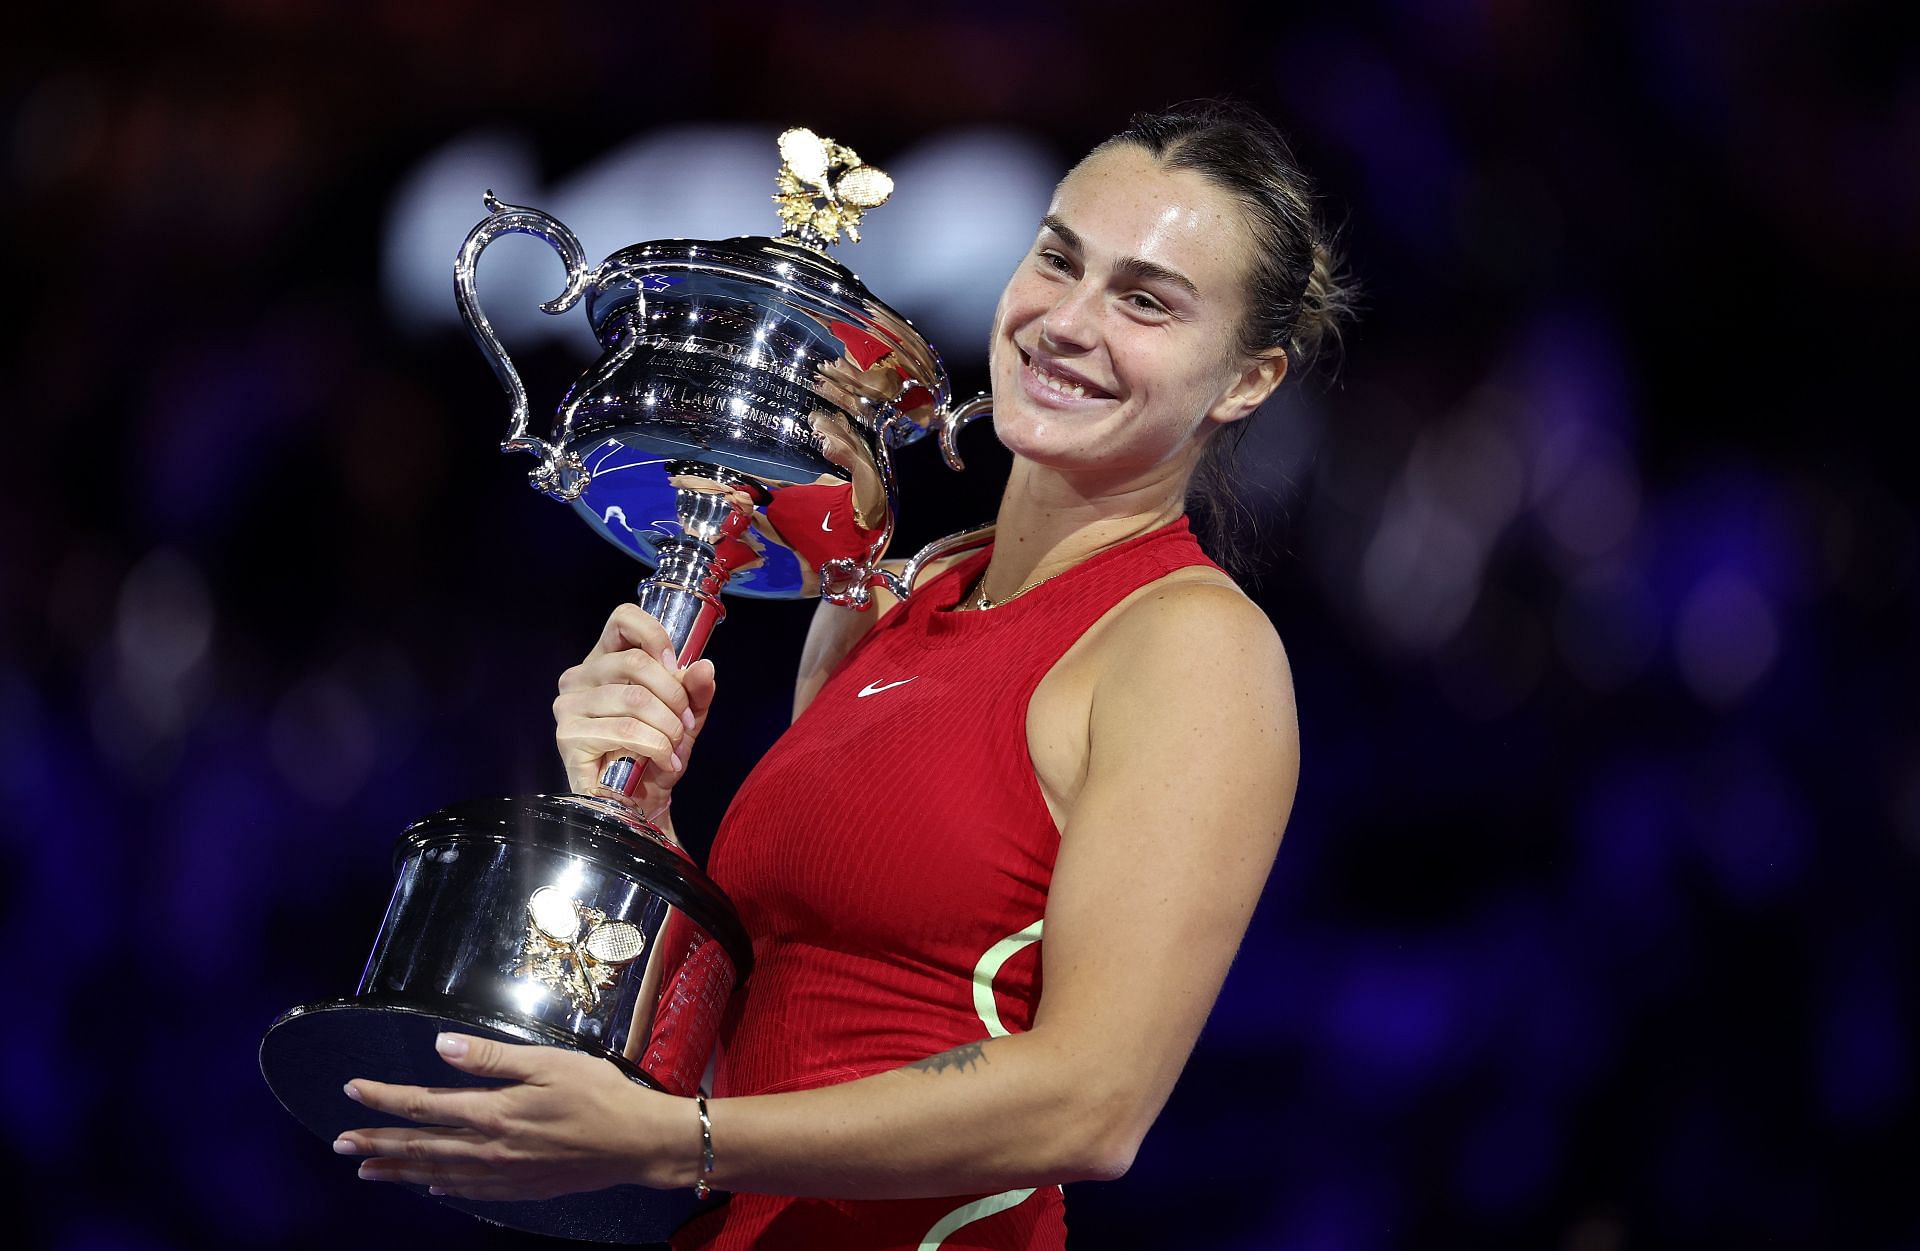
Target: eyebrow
column 1132, row 267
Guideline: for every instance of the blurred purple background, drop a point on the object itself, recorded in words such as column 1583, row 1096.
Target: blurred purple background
column 1594, row 928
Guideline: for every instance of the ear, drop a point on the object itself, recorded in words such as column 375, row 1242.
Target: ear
column 1250, row 390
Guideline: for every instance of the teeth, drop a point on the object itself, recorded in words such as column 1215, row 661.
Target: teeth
column 1062, row 385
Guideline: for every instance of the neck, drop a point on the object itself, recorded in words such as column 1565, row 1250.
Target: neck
column 1049, row 523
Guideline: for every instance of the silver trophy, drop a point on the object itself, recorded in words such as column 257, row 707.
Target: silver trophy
column 736, row 435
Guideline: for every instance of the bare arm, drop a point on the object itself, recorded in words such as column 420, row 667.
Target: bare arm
column 831, row 634
column 835, row 631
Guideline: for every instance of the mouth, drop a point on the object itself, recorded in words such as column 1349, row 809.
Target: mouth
column 1050, row 380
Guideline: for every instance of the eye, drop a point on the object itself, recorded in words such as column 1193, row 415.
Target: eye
column 1055, row 261
column 1140, row 301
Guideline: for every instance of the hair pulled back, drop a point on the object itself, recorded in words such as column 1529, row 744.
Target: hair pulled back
column 1297, row 298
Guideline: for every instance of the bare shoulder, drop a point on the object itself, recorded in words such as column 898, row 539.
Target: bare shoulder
column 835, row 631
column 1191, row 708
column 1191, row 671
column 1192, row 620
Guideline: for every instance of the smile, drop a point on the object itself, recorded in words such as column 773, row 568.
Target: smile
column 1051, row 381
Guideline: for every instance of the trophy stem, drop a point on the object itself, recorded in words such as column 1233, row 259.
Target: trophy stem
column 684, row 595
column 715, row 509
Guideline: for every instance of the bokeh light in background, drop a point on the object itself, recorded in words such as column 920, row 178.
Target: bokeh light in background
column 1594, row 928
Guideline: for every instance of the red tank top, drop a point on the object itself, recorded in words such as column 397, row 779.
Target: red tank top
column 890, row 857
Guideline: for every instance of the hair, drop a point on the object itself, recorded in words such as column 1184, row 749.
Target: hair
column 1297, row 296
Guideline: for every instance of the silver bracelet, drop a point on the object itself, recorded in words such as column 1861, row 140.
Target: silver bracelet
column 701, row 1189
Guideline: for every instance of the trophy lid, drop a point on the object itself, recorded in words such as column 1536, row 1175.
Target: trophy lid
column 825, row 188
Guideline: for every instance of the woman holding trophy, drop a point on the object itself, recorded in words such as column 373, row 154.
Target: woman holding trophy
column 1114, row 760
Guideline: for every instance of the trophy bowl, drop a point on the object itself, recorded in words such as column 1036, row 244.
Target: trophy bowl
column 737, row 429
column 757, row 357
column 736, row 435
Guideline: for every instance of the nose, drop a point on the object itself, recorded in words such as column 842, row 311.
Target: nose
column 1068, row 326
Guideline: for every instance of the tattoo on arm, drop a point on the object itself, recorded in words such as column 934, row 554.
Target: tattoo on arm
column 966, row 1056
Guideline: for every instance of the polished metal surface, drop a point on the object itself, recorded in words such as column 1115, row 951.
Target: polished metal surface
column 966, row 540
column 757, row 357
column 504, row 219
column 753, row 359
column 570, row 915
column 466, row 924
column 950, row 423
column 556, row 919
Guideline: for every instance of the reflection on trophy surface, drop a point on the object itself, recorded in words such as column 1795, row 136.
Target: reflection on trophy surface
column 736, row 434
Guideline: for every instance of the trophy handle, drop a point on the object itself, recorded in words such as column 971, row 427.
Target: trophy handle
column 954, row 420
column 901, row 584
column 502, row 219
column 847, row 582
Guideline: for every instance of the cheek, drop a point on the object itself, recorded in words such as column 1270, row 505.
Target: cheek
column 1004, row 320
column 997, row 331
column 1025, row 298
column 1172, row 390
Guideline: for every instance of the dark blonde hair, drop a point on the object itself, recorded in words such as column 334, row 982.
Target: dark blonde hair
column 1297, row 297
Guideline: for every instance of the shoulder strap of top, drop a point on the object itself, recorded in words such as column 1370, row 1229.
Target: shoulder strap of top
column 1062, row 606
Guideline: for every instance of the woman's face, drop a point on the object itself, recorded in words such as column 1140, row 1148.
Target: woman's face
column 1115, row 341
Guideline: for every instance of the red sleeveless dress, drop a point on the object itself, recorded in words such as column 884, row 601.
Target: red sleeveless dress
column 890, row 857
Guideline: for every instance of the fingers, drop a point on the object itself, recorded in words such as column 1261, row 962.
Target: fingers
column 544, row 1133
column 697, row 679
column 606, row 711
column 426, row 1105
column 465, row 1178
column 629, row 697
column 489, row 1057
column 665, row 682
column 630, row 628
column 631, row 707
column 588, row 748
column 439, row 1145
column 460, row 1181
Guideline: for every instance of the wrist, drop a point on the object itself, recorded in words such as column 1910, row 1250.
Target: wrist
column 663, row 1148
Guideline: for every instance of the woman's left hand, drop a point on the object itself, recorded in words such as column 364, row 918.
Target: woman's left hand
column 566, row 1122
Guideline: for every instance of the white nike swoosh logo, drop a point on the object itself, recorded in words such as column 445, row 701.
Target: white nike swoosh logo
column 826, row 523
column 874, row 688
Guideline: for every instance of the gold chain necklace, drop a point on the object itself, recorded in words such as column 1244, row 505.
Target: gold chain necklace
column 977, row 597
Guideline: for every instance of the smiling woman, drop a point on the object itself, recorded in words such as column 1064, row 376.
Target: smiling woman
column 1114, row 349
column 1119, row 757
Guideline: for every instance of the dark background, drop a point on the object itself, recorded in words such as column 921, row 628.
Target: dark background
column 1594, row 925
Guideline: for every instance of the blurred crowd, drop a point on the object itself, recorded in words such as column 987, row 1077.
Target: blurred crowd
column 1594, row 553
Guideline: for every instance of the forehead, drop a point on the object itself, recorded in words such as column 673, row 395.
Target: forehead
column 1124, row 203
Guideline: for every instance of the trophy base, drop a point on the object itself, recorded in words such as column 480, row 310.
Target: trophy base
column 311, row 1052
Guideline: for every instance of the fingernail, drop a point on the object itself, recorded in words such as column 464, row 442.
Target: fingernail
column 365, row 1173
column 451, row 1045
column 435, row 1190
column 352, row 1093
column 686, row 718
column 668, row 659
column 344, row 1146
column 674, row 761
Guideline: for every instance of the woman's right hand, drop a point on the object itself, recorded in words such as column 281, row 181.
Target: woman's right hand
column 629, row 698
